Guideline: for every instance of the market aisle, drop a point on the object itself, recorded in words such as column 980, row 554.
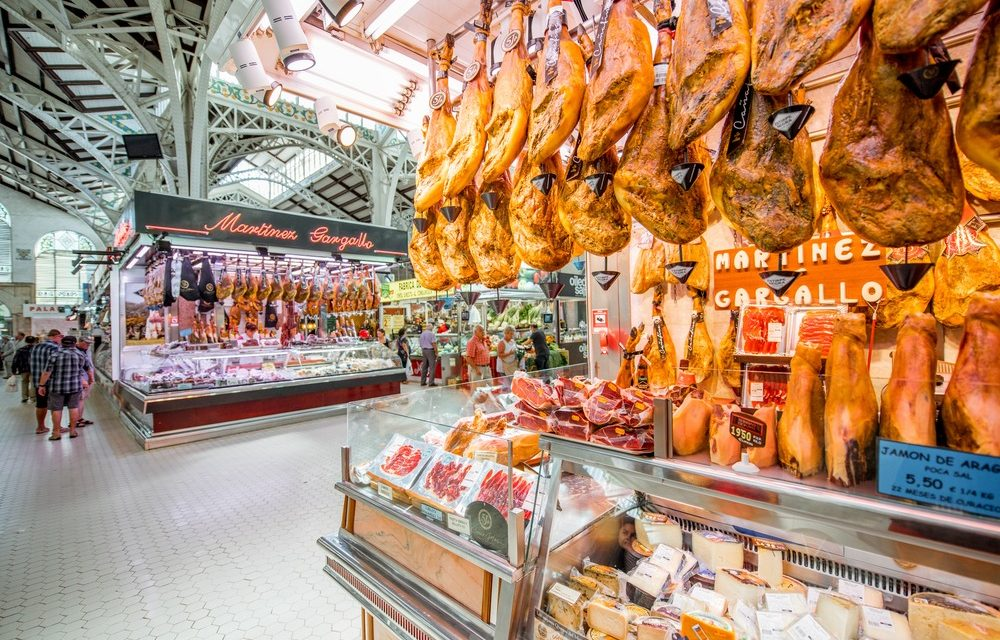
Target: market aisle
column 216, row 539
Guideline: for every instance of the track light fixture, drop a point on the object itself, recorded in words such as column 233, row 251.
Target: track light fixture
column 250, row 73
column 293, row 48
column 328, row 120
column 347, row 12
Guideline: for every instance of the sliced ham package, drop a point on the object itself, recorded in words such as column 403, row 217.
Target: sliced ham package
column 400, row 462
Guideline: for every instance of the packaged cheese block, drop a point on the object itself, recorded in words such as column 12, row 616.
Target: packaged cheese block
column 860, row 593
column 671, row 559
column 607, row 576
column 711, row 601
column 717, row 550
column 737, row 585
column 566, row 606
column 794, row 603
column 655, row 528
column 587, row 586
column 640, row 549
column 770, row 563
column 809, row 628
column 880, row 624
column 654, row 628
column 608, row 616
column 929, row 610
column 960, row 630
column 791, row 585
column 772, row 624
column 649, row 578
column 705, row 626
column 840, row 616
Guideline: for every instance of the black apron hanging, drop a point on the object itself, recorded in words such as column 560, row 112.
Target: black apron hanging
column 168, row 275
column 270, row 316
column 189, row 281
column 206, row 283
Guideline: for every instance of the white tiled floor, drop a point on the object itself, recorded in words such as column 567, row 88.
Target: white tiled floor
column 101, row 540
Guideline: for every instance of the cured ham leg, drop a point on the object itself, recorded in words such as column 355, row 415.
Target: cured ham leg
column 972, row 401
column 906, row 25
column 649, row 268
column 723, row 448
column 791, row 38
column 626, row 369
column 851, row 416
column 643, row 184
column 508, row 126
column 490, row 240
column 431, row 171
column 908, row 407
column 897, row 305
column 660, row 352
column 453, row 238
column 691, row 425
column 556, row 103
column 766, row 456
column 424, row 257
column 466, row 151
column 763, row 185
column 725, row 356
column 539, row 236
column 889, row 166
column 620, row 83
column 977, row 129
column 800, row 432
column 589, row 211
column 700, row 353
column 709, row 64
column 969, row 263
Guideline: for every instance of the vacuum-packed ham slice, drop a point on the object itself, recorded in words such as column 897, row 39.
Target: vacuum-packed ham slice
column 889, row 166
column 572, row 392
column 602, row 405
column 571, row 423
column 534, row 392
column 633, row 440
column 816, row 327
column 851, row 416
column 908, row 406
column 972, row 401
column 691, row 424
column 635, row 412
column 762, row 329
column 977, row 129
column 800, row 431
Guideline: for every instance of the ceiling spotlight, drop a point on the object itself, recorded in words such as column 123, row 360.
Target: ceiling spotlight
column 347, row 135
column 348, row 11
column 292, row 44
column 250, row 73
column 328, row 120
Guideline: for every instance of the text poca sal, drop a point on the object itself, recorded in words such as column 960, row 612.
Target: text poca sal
column 840, row 269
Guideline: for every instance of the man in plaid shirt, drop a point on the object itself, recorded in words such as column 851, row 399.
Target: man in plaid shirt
column 39, row 359
column 62, row 383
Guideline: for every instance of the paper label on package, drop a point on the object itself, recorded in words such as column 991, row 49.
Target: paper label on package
column 664, row 555
column 808, row 628
column 774, row 331
column 879, row 618
column 488, row 456
column 660, row 74
column 563, row 592
column 773, row 623
column 851, row 590
column 756, row 392
column 785, row 602
column 812, row 597
column 458, row 524
column 385, row 491
column 745, row 617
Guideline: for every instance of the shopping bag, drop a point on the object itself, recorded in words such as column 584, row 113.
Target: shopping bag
column 12, row 384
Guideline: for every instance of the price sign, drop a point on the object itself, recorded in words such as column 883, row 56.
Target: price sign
column 487, row 526
column 942, row 477
column 749, row 430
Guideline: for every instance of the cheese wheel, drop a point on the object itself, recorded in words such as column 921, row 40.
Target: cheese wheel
column 961, row 630
column 929, row 610
column 608, row 616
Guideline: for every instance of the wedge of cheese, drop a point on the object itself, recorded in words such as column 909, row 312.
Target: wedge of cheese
column 705, row 626
column 608, row 576
column 737, row 584
column 929, row 610
column 649, row 578
column 860, row 593
column 771, row 624
column 653, row 528
column 881, row 624
column 670, row 559
column 609, row 616
column 961, row 630
column 781, row 602
column 840, row 616
column 717, row 550
column 770, row 562
column 808, row 628
column 566, row 606
column 587, row 586
column 712, row 601
column 654, row 628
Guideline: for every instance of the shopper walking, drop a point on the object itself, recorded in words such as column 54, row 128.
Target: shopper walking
column 87, row 380
column 403, row 351
column 39, row 359
column 62, row 383
column 507, row 356
column 21, row 366
column 477, row 353
column 429, row 351
column 6, row 355
column 541, row 348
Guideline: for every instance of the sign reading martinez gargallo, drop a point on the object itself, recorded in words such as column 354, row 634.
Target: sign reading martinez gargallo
column 230, row 222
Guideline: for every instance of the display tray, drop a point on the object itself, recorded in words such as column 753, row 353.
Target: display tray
column 197, row 398
column 599, row 445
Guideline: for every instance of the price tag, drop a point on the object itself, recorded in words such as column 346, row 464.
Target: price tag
column 660, row 74
column 808, row 628
column 458, row 524
column 786, row 603
column 488, row 456
column 433, row 514
column 385, row 491
column 773, row 623
column 745, row 617
column 756, row 392
column 775, row 330
column 563, row 592
column 749, row 430
column 937, row 476
column 851, row 590
column 879, row 618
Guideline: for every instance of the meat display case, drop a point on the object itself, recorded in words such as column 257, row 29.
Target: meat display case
column 173, row 395
column 828, row 536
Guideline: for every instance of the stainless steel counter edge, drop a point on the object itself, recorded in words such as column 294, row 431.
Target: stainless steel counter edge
column 470, row 551
column 404, row 592
column 194, row 398
column 883, row 518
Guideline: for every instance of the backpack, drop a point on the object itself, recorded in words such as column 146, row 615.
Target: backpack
column 22, row 360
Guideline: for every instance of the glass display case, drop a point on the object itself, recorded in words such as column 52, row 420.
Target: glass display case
column 183, row 366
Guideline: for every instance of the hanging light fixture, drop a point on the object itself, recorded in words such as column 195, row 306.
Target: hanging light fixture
column 292, row 44
column 348, row 11
column 250, row 73
column 328, row 119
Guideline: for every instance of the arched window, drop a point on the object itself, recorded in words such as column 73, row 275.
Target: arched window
column 55, row 282
column 6, row 242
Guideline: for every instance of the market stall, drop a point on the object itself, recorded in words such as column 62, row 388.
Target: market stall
column 232, row 318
